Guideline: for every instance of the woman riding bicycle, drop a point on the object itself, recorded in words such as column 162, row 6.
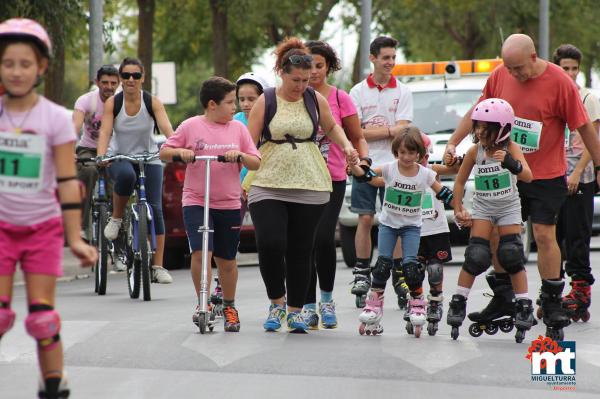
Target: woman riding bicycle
column 133, row 126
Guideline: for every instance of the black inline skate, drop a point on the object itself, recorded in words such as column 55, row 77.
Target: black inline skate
column 554, row 315
column 524, row 319
column 499, row 313
column 457, row 311
column 578, row 301
column 400, row 287
column 435, row 311
column 361, row 284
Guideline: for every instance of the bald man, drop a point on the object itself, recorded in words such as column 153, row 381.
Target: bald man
column 544, row 99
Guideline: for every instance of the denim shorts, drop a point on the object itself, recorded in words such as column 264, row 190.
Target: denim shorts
column 363, row 198
column 224, row 240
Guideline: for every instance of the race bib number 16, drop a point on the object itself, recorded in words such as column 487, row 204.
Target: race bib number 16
column 527, row 134
column 21, row 161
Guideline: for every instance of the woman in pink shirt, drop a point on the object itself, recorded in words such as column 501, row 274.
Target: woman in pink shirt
column 214, row 133
column 325, row 62
column 37, row 162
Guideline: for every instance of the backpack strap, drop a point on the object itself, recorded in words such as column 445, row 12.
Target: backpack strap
column 312, row 106
column 147, row 97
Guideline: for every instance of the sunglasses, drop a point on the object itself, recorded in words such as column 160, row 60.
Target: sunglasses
column 297, row 59
column 128, row 75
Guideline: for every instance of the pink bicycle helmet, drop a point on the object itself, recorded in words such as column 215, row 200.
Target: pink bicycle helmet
column 495, row 110
column 23, row 28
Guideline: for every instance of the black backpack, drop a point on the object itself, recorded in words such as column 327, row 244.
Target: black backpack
column 147, row 97
column 312, row 106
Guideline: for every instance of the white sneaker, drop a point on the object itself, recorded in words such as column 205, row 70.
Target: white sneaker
column 119, row 266
column 161, row 275
column 111, row 231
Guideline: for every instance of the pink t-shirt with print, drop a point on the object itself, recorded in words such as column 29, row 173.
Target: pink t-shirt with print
column 92, row 106
column 341, row 106
column 208, row 138
column 36, row 202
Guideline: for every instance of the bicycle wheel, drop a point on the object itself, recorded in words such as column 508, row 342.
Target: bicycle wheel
column 133, row 263
column 102, row 245
column 143, row 247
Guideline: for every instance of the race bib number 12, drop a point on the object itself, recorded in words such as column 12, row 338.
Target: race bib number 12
column 21, row 161
column 403, row 202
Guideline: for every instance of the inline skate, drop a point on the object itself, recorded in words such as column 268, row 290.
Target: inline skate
column 416, row 316
column 216, row 299
column 370, row 318
column 578, row 301
column 499, row 313
column 457, row 310
column 361, row 284
column 435, row 311
column 400, row 287
column 524, row 319
column 553, row 314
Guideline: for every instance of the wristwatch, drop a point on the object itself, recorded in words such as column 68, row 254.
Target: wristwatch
column 369, row 160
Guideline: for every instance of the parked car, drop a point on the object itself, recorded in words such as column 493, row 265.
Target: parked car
column 439, row 105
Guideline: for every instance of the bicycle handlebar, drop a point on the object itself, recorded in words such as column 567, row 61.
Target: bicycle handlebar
column 132, row 158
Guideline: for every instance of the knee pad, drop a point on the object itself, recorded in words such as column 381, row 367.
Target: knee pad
column 414, row 274
column 43, row 324
column 7, row 316
column 478, row 256
column 510, row 253
column 435, row 273
column 382, row 270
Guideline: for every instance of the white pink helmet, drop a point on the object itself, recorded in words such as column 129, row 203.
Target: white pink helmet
column 495, row 110
column 23, row 28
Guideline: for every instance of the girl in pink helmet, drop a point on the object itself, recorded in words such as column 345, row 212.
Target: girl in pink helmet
column 38, row 181
column 497, row 163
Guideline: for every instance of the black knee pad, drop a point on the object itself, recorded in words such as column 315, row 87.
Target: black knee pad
column 382, row 270
column 510, row 253
column 478, row 256
column 435, row 272
column 414, row 274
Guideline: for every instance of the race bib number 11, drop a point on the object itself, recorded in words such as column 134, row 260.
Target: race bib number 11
column 21, row 160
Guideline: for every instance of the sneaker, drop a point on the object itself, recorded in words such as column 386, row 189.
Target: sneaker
column 119, row 265
column 111, row 231
column 232, row 320
column 296, row 322
column 161, row 275
column 275, row 318
column 328, row 317
column 311, row 318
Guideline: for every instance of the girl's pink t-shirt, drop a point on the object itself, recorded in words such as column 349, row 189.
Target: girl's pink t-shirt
column 27, row 176
column 208, row 138
column 341, row 106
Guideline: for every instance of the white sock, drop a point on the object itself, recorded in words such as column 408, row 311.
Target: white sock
column 463, row 291
column 522, row 295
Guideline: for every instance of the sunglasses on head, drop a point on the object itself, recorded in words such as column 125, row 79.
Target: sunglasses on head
column 128, row 75
column 298, row 59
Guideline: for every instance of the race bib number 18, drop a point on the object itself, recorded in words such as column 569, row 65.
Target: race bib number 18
column 492, row 181
column 21, row 160
column 402, row 202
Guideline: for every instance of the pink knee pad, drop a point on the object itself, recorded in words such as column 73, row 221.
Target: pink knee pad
column 7, row 316
column 43, row 324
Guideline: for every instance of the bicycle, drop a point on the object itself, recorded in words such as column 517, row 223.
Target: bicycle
column 99, row 217
column 139, row 243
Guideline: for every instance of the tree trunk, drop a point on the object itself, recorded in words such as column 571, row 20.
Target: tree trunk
column 218, row 9
column 145, row 28
column 55, row 77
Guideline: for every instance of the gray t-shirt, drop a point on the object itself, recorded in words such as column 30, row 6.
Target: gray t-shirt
column 132, row 134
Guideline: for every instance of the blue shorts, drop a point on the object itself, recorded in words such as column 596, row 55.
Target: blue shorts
column 363, row 198
column 225, row 239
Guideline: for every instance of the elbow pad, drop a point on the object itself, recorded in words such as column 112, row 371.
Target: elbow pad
column 445, row 195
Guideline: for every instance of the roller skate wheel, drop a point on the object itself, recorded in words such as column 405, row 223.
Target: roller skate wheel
column 409, row 328
column 506, row 326
column 361, row 329
column 575, row 318
column 361, row 301
column 475, row 330
column 402, row 302
column 586, row 317
column 417, row 331
column 432, row 329
column 491, row 329
column 519, row 336
column 454, row 333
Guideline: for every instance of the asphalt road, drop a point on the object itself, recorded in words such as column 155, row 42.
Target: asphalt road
column 116, row 347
